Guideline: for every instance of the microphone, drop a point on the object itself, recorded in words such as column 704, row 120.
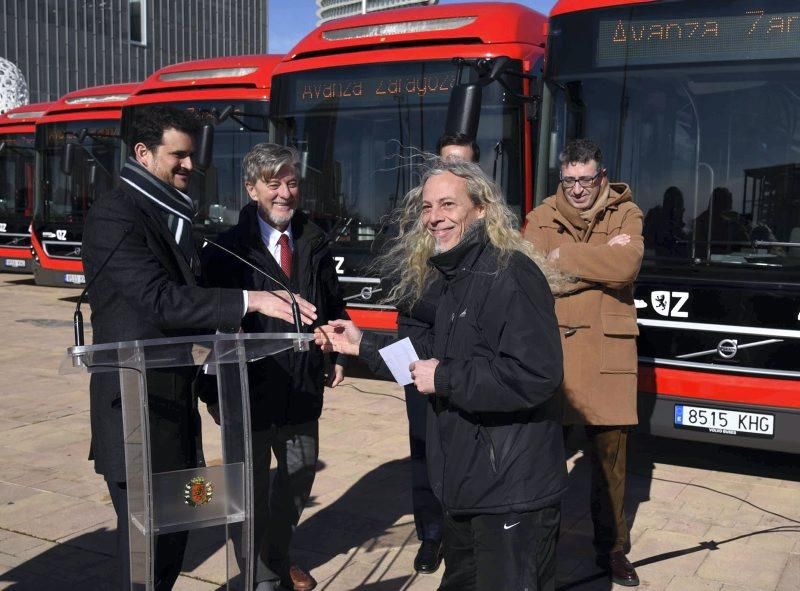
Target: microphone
column 299, row 345
column 77, row 317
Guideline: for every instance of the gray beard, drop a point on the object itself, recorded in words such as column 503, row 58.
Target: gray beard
column 280, row 221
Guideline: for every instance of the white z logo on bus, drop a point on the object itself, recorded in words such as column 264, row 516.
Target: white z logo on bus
column 662, row 302
column 61, row 234
column 3, row 227
column 339, row 265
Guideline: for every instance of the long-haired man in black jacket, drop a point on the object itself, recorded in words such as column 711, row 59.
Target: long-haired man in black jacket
column 491, row 366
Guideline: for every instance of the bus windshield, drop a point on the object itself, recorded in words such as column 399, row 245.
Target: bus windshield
column 16, row 175
column 363, row 130
column 219, row 191
column 707, row 136
column 94, row 170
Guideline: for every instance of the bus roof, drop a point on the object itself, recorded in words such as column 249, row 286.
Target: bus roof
column 103, row 101
column 480, row 23
column 243, row 76
column 22, row 119
column 567, row 6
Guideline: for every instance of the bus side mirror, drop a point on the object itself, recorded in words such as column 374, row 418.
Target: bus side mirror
column 464, row 110
column 67, row 157
column 205, row 150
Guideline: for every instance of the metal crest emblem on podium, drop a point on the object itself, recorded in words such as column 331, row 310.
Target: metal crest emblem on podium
column 198, row 492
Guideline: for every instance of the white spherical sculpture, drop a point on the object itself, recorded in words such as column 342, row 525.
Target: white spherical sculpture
column 13, row 88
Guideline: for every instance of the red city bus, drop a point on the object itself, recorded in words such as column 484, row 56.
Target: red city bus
column 17, row 165
column 78, row 158
column 361, row 97
column 697, row 106
column 230, row 94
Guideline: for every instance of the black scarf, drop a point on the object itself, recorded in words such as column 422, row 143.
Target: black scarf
column 464, row 253
column 176, row 208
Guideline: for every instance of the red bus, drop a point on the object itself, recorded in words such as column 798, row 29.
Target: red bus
column 17, row 165
column 232, row 95
column 697, row 106
column 360, row 97
column 78, row 157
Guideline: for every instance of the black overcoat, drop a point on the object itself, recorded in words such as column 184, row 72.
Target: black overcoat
column 147, row 290
column 286, row 388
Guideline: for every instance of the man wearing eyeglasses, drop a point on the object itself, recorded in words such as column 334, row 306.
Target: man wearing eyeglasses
column 592, row 232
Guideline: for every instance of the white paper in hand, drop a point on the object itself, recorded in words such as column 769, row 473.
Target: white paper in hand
column 398, row 356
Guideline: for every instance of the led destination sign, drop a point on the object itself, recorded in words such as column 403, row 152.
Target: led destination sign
column 373, row 86
column 376, row 87
column 751, row 35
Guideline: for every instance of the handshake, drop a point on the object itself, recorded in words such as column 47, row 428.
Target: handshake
column 338, row 336
column 342, row 336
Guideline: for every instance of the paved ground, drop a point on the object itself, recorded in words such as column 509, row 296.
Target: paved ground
column 704, row 517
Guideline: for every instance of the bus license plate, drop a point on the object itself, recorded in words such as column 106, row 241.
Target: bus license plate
column 18, row 263
column 75, row 278
column 724, row 421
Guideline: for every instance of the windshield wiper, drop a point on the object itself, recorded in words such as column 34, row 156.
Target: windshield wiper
column 231, row 112
column 19, row 149
column 768, row 243
column 335, row 234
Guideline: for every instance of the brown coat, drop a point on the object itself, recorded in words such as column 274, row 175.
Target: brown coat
column 596, row 314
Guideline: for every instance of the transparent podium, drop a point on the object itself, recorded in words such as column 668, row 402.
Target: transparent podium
column 220, row 495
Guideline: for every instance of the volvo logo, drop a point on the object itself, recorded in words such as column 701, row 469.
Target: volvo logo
column 727, row 348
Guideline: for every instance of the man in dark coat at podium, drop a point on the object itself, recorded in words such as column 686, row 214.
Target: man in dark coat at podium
column 141, row 264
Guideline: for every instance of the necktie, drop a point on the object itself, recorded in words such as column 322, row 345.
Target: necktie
column 286, row 255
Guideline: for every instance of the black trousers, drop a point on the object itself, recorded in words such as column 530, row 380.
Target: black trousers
column 511, row 551
column 169, row 547
column 427, row 508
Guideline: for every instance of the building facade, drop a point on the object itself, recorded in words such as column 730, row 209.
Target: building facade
column 65, row 45
column 328, row 10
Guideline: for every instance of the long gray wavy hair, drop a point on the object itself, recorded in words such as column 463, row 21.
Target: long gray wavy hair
column 405, row 258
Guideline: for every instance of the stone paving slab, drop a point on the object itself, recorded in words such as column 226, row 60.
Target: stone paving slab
column 704, row 518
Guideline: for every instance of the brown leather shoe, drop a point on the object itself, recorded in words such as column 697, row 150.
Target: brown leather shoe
column 619, row 568
column 301, row 580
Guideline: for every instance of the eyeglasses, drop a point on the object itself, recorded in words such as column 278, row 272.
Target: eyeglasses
column 585, row 181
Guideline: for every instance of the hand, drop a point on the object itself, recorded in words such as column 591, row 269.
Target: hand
column 422, row 373
column 553, row 256
column 278, row 304
column 340, row 336
column 620, row 239
column 213, row 410
column 336, row 376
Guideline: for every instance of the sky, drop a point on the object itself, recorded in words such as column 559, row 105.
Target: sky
column 291, row 20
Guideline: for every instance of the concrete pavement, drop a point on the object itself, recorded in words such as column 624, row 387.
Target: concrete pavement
column 704, row 517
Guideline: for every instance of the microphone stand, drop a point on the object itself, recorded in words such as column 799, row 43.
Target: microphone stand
column 299, row 345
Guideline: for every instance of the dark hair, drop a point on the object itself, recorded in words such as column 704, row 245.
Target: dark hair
column 581, row 151
column 150, row 123
column 458, row 139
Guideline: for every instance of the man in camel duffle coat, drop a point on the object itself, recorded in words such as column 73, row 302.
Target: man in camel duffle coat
column 592, row 232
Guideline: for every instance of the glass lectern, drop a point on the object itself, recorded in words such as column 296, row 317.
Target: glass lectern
column 221, row 495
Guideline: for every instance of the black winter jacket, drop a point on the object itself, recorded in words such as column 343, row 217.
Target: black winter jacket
column 494, row 436
column 285, row 388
